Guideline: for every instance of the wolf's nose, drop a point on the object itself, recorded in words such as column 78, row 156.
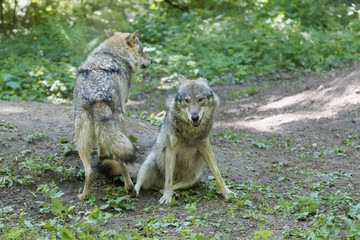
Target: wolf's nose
column 194, row 117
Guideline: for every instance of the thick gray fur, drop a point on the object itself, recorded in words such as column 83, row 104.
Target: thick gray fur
column 100, row 94
column 183, row 143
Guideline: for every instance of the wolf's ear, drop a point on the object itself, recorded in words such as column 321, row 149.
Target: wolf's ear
column 203, row 80
column 131, row 38
column 181, row 78
column 109, row 33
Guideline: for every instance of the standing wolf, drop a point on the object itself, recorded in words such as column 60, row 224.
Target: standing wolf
column 183, row 143
column 100, row 94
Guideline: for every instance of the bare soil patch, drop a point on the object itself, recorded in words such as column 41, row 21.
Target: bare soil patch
column 290, row 137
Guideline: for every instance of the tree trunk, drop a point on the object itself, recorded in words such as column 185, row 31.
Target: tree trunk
column 1, row 14
column 14, row 16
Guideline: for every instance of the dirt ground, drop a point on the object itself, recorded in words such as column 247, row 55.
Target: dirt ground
column 288, row 135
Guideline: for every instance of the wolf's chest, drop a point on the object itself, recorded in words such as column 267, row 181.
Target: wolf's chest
column 188, row 159
column 191, row 136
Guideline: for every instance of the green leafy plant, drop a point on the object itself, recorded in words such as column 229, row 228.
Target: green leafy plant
column 191, row 208
column 8, row 178
column 230, row 136
column 263, row 234
column 35, row 137
column 259, row 144
column 7, row 127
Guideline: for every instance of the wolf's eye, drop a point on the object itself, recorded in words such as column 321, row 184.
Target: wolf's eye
column 200, row 100
column 187, row 101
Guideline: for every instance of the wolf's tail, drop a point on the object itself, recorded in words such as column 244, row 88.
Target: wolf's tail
column 114, row 146
column 111, row 168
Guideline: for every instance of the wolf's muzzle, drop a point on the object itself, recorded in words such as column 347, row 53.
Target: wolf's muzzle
column 195, row 119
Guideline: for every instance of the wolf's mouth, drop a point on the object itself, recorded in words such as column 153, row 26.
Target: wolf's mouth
column 195, row 123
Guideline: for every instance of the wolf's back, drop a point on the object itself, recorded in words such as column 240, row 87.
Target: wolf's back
column 97, row 78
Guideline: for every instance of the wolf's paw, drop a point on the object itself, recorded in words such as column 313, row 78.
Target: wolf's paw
column 133, row 193
column 81, row 197
column 230, row 195
column 131, row 190
column 166, row 198
column 136, row 190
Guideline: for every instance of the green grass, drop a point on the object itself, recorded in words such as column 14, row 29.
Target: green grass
column 331, row 214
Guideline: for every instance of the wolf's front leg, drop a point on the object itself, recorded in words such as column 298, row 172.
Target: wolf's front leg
column 169, row 162
column 210, row 160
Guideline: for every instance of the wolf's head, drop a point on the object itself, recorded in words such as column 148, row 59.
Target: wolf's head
column 129, row 47
column 195, row 101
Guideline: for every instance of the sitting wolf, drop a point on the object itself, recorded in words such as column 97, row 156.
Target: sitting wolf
column 183, row 143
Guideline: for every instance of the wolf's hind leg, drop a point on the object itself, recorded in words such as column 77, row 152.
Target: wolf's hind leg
column 84, row 138
column 187, row 183
column 85, row 158
column 115, row 167
column 129, row 185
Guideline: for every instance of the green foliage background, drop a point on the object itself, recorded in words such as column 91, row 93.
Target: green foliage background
column 227, row 41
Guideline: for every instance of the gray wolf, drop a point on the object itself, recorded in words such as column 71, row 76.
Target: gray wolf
column 100, row 94
column 183, row 142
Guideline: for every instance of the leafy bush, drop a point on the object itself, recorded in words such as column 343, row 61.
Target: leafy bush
column 225, row 41
column 251, row 39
